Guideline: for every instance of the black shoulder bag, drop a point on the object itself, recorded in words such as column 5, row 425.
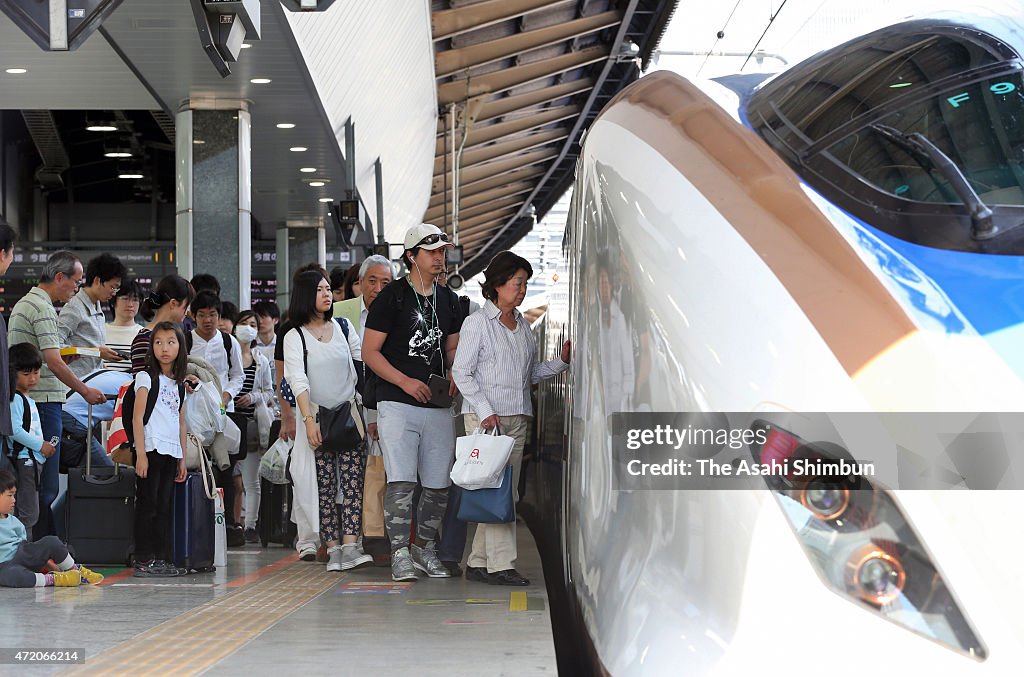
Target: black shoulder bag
column 338, row 429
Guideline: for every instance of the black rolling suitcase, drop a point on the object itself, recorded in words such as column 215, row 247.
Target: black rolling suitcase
column 192, row 527
column 100, row 512
column 276, row 524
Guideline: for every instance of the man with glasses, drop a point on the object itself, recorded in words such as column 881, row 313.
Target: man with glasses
column 81, row 322
column 34, row 320
column 409, row 340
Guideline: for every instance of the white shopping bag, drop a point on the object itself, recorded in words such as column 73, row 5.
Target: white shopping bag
column 203, row 415
column 274, row 464
column 220, row 531
column 480, row 459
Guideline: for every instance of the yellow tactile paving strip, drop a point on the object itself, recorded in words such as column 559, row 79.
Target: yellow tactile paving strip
column 198, row 639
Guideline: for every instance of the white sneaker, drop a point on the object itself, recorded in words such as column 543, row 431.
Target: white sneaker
column 307, row 553
column 352, row 555
column 334, row 558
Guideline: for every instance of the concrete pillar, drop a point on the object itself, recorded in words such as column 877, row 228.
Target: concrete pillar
column 214, row 198
column 297, row 245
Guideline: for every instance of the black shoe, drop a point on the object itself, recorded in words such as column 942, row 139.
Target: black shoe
column 478, row 574
column 507, row 577
column 236, row 536
column 251, row 536
column 453, row 568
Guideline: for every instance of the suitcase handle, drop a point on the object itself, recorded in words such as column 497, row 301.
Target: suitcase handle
column 92, row 479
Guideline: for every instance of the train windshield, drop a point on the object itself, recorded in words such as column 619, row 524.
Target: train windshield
column 846, row 123
column 979, row 126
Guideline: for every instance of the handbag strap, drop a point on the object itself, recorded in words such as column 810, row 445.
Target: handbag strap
column 205, row 468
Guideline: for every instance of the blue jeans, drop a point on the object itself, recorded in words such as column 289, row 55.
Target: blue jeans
column 453, row 530
column 49, row 482
column 96, row 451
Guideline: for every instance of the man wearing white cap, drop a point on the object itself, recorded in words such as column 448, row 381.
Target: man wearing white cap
column 409, row 341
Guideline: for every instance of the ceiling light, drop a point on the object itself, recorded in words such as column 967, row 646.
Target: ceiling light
column 286, row 125
column 131, row 174
column 113, row 152
column 261, row 81
column 298, row 149
column 16, row 71
column 117, row 148
column 308, row 170
column 198, row 142
column 317, row 184
column 246, row 45
column 327, row 199
column 101, row 127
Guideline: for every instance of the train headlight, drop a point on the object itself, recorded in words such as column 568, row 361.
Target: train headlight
column 863, row 546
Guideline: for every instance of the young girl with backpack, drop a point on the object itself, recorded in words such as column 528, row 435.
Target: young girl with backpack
column 159, row 443
column 167, row 303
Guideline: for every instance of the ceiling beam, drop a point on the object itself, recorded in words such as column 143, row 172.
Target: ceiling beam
column 455, row 60
column 438, row 211
column 503, row 148
column 470, row 226
column 437, row 198
column 487, row 133
column 487, row 170
column 489, row 207
column 451, row 22
column 508, row 78
column 503, row 106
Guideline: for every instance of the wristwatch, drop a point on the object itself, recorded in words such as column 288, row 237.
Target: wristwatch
column 308, row 417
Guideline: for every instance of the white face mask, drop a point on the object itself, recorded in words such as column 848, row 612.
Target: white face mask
column 245, row 334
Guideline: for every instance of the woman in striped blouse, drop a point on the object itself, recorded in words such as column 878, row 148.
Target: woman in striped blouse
column 495, row 364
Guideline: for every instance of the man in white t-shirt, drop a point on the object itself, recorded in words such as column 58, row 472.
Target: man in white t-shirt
column 221, row 350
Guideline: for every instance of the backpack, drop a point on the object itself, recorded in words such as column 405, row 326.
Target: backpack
column 12, row 448
column 127, row 404
column 226, row 337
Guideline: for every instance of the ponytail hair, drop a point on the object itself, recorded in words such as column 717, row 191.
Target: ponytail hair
column 171, row 287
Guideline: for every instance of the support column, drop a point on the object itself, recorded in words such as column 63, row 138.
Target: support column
column 214, row 198
column 297, row 245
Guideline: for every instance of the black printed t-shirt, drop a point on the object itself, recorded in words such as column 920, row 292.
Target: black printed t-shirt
column 417, row 331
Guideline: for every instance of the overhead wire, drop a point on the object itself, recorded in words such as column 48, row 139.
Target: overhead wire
column 771, row 20
column 717, row 38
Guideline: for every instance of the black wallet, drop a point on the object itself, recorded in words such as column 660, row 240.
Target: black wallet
column 439, row 391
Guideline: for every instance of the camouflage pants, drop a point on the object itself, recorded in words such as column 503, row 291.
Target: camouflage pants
column 398, row 512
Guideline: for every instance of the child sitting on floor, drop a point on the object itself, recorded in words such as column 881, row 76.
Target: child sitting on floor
column 20, row 559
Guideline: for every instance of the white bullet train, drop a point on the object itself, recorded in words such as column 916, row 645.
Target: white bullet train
column 847, row 236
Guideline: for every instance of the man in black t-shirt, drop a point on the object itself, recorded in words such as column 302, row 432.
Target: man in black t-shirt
column 411, row 333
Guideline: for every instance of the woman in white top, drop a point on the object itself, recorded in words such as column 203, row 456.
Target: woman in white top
column 495, row 364
column 122, row 331
column 318, row 364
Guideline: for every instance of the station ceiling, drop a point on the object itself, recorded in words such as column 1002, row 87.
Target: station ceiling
column 518, row 82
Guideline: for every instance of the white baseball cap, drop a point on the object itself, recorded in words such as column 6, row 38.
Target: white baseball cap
column 434, row 236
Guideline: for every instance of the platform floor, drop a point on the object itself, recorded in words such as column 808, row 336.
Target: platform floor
column 269, row 614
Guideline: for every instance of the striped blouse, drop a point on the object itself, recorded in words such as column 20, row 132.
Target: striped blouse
column 494, row 367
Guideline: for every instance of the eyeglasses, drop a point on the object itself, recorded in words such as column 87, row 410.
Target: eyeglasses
column 433, row 239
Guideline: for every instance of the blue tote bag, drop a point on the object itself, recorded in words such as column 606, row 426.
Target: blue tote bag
column 489, row 506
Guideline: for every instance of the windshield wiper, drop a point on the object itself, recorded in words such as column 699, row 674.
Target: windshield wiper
column 931, row 157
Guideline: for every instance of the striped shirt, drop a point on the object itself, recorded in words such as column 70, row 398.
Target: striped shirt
column 34, row 320
column 120, row 339
column 494, row 367
column 81, row 323
column 140, row 347
column 247, row 384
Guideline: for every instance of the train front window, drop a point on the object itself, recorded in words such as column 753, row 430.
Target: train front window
column 980, row 127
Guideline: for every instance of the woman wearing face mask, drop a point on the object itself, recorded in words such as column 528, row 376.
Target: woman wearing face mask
column 257, row 391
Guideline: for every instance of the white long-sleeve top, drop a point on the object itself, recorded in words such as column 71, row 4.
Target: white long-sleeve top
column 331, row 376
column 231, row 379
column 494, row 367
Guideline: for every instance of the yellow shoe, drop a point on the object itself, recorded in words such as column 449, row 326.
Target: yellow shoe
column 90, row 576
column 67, row 579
